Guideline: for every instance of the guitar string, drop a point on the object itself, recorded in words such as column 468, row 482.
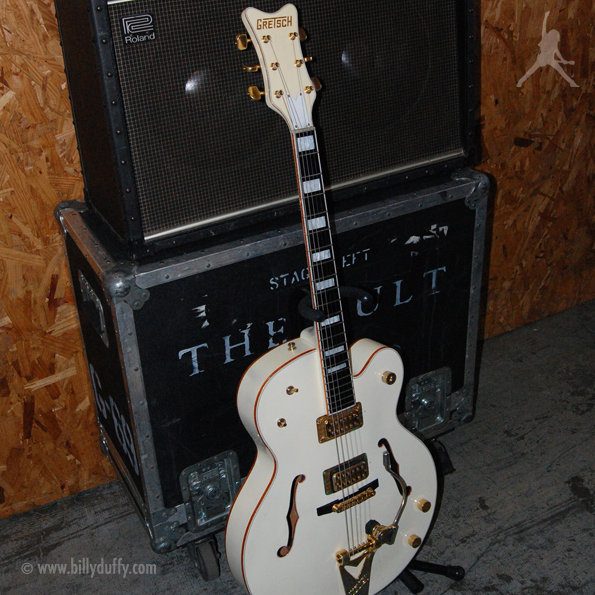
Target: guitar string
column 308, row 240
column 307, row 202
column 332, row 387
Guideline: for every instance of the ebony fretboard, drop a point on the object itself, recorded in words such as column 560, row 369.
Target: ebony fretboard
column 323, row 274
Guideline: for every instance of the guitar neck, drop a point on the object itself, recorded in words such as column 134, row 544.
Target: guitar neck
column 332, row 341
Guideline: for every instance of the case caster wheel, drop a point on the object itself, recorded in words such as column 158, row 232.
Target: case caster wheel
column 205, row 557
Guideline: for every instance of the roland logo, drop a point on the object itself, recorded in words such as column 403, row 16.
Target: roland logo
column 138, row 28
column 274, row 23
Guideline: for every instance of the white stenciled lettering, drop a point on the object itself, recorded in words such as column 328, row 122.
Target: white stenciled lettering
column 359, row 256
column 273, row 332
column 245, row 344
column 434, row 273
column 287, row 279
column 110, row 412
column 201, row 312
column 193, row 351
column 399, row 301
column 306, row 143
column 310, row 186
column 316, row 223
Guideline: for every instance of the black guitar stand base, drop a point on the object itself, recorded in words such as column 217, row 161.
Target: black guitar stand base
column 414, row 585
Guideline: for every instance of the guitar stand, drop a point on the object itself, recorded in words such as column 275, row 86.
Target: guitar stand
column 414, row 585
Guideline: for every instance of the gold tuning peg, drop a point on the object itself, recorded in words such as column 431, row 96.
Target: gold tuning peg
column 303, row 35
column 317, row 84
column 308, row 58
column 251, row 68
column 255, row 93
column 242, row 41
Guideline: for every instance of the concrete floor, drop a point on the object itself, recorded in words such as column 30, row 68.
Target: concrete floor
column 518, row 513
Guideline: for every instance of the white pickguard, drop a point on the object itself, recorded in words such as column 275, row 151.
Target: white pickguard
column 258, row 526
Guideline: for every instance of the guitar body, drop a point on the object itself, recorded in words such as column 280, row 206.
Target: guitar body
column 288, row 475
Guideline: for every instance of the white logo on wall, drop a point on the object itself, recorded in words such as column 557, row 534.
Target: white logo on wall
column 138, row 28
column 549, row 55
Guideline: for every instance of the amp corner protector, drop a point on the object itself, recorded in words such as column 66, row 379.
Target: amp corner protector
column 120, row 284
column 480, row 188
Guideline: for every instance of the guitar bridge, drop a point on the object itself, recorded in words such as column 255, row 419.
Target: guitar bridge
column 333, row 426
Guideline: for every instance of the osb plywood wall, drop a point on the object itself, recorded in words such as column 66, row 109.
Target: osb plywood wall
column 537, row 142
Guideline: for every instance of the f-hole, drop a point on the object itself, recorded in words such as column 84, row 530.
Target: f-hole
column 393, row 463
column 292, row 517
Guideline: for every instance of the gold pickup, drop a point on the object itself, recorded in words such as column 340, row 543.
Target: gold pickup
column 332, row 426
column 342, row 476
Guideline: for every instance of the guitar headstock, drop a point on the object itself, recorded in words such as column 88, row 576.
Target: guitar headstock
column 288, row 88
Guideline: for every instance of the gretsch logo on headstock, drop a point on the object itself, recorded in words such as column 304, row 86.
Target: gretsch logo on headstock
column 274, row 23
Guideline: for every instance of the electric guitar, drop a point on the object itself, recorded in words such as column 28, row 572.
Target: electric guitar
column 340, row 495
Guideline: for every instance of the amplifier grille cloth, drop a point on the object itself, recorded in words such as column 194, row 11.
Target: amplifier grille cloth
column 202, row 149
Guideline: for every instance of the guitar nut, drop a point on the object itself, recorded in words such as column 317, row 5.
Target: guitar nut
column 414, row 541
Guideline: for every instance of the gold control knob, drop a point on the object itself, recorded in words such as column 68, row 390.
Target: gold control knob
column 389, row 378
column 424, row 505
column 282, row 422
column 251, row 67
column 414, row 541
column 255, row 93
column 242, row 41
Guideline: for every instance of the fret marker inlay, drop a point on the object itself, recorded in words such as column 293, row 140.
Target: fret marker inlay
column 317, row 223
column 322, row 255
column 322, row 285
column 312, row 186
column 331, row 320
column 306, row 143
column 334, row 351
column 336, row 368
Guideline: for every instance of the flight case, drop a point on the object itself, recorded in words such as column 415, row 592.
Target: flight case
column 167, row 340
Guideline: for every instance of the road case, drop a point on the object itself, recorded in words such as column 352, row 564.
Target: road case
column 168, row 340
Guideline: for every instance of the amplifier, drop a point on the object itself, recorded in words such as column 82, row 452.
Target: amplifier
column 168, row 340
column 172, row 149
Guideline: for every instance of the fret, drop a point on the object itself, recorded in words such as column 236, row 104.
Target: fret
column 309, row 165
column 332, row 341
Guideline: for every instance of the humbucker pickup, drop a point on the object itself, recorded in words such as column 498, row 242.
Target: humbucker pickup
column 332, row 426
column 342, row 476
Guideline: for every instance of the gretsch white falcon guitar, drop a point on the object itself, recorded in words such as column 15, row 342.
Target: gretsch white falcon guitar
column 340, row 495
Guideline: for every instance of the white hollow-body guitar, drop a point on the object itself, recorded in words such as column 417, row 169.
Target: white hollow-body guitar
column 340, row 495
